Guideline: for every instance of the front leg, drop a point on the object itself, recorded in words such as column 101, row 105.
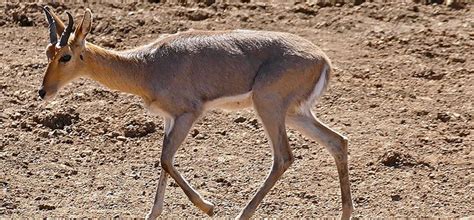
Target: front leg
column 177, row 133
column 159, row 197
column 160, row 191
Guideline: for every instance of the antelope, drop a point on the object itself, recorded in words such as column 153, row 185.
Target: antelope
column 181, row 76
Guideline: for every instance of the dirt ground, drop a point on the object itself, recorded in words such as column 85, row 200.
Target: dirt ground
column 402, row 92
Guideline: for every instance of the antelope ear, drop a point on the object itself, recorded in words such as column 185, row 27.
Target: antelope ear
column 84, row 28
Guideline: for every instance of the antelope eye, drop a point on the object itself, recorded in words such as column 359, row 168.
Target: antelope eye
column 65, row 58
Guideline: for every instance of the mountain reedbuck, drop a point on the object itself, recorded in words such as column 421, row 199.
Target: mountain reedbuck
column 183, row 75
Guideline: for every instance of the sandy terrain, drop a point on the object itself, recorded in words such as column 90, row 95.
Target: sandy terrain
column 402, row 92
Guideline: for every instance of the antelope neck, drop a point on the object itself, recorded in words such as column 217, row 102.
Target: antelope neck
column 115, row 70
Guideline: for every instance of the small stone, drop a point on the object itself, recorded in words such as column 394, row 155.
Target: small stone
column 444, row 117
column 57, row 120
column 121, row 138
column 201, row 137
column 194, row 133
column 429, row 74
column 43, row 134
column 453, row 140
column 46, row 207
column 240, row 119
column 223, row 133
column 254, row 123
column 136, row 176
column 134, row 129
column 223, row 181
column 396, row 197
column 198, row 15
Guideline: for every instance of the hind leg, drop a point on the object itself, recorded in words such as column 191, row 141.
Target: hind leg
column 272, row 112
column 336, row 144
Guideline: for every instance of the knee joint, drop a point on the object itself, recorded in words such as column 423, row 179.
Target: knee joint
column 284, row 163
column 345, row 144
column 339, row 149
column 288, row 161
column 166, row 163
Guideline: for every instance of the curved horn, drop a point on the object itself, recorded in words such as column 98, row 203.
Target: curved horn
column 57, row 20
column 53, row 37
column 67, row 31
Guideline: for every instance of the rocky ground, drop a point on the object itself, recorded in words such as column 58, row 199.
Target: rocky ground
column 402, row 92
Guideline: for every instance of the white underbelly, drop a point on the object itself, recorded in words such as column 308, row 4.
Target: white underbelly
column 230, row 102
column 225, row 103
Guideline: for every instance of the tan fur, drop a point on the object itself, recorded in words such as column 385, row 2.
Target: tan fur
column 110, row 69
column 181, row 76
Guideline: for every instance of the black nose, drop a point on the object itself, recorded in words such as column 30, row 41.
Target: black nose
column 41, row 93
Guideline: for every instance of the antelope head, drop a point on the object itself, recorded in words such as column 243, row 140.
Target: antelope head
column 65, row 56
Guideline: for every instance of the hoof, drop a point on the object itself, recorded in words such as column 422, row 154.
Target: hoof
column 210, row 212
column 152, row 216
column 346, row 213
column 208, row 208
column 241, row 217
